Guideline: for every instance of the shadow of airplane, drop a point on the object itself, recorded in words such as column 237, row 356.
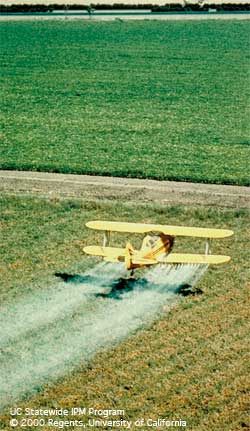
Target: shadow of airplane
column 123, row 285
column 75, row 278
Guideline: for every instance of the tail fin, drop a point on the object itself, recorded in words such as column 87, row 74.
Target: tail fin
column 133, row 260
column 129, row 250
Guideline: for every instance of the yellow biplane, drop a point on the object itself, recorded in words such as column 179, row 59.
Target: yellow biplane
column 157, row 244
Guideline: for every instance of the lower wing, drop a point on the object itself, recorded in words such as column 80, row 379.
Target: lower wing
column 118, row 254
column 208, row 259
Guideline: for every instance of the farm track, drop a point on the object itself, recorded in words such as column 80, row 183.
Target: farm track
column 68, row 186
column 126, row 17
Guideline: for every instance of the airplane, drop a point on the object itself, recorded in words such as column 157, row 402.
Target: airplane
column 157, row 244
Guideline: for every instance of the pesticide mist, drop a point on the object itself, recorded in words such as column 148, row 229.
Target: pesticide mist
column 46, row 334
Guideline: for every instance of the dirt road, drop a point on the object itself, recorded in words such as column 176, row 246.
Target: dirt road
column 125, row 16
column 125, row 189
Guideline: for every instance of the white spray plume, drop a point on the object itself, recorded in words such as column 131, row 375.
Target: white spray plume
column 49, row 332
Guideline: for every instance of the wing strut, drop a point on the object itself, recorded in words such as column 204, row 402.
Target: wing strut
column 106, row 238
column 208, row 246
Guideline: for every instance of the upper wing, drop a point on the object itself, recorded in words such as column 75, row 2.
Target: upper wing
column 168, row 230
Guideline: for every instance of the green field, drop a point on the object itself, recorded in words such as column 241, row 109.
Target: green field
column 166, row 100
column 191, row 364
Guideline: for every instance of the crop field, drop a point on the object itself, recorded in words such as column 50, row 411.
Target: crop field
column 190, row 364
column 165, row 100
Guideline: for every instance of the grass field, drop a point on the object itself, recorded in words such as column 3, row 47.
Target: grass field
column 191, row 364
column 166, row 100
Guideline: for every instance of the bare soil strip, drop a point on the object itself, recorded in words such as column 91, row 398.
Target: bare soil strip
column 55, row 185
column 125, row 17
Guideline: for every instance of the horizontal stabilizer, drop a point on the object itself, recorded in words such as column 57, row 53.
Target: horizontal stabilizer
column 165, row 229
column 112, row 252
column 208, row 259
